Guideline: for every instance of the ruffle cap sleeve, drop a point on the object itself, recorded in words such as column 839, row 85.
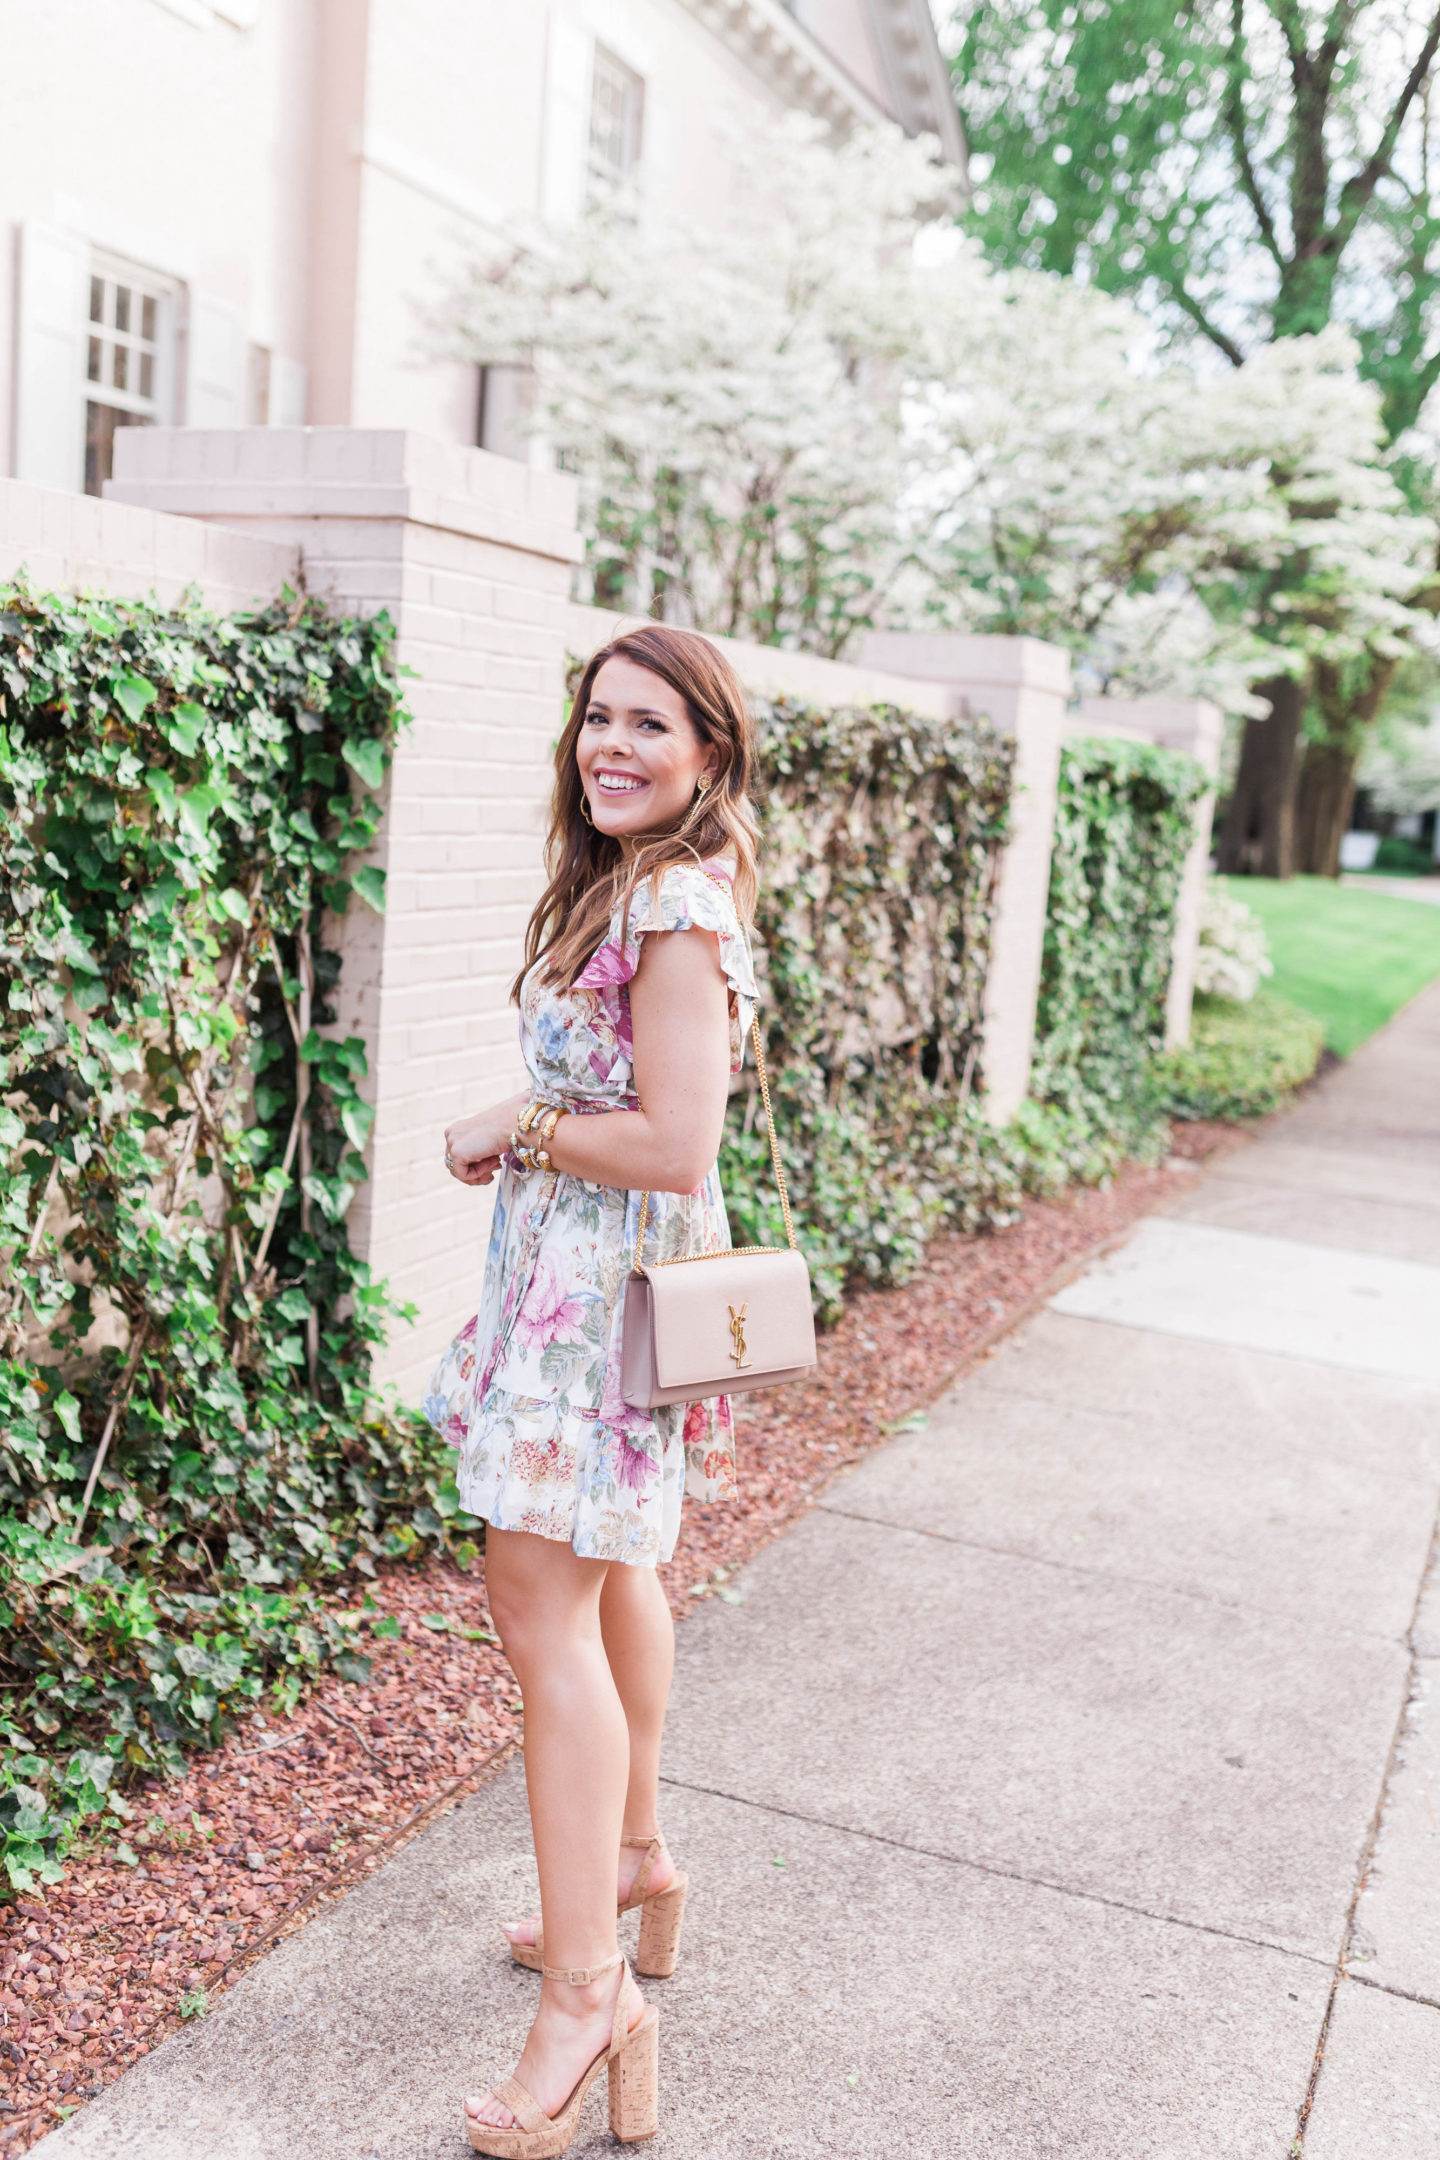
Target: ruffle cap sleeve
column 686, row 896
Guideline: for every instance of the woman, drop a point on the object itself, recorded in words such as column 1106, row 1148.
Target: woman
column 634, row 999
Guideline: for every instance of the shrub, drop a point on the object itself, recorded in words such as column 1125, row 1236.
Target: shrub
column 1122, row 829
column 1241, row 1059
column 1234, row 951
column 186, row 1427
column 1404, row 858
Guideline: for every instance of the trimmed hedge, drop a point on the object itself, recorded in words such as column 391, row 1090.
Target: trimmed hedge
column 1241, row 1060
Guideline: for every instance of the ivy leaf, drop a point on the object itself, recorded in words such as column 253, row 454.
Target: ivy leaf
column 183, row 728
column 370, row 884
column 356, row 1119
column 366, row 756
column 67, row 1410
column 166, row 890
column 197, row 806
column 162, row 787
column 232, row 903
column 134, row 696
column 88, row 991
column 354, row 1665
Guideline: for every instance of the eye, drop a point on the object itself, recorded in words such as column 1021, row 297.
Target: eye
column 658, row 727
column 596, row 719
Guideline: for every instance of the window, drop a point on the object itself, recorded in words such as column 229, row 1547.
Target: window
column 507, row 411
column 617, row 112
column 124, row 369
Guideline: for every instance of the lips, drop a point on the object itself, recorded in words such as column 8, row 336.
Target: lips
column 610, row 783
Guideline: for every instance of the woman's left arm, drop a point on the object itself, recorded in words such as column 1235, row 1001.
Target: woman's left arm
column 679, row 1016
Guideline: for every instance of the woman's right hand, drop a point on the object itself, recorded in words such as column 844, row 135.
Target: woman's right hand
column 474, row 1145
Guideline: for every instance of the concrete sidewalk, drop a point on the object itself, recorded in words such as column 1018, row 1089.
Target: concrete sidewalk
column 1029, row 1792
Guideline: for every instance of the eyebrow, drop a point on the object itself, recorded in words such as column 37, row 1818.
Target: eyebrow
column 641, row 712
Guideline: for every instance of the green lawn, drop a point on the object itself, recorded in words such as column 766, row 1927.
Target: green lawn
column 1350, row 957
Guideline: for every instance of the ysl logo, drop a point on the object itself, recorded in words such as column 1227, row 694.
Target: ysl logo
column 737, row 1336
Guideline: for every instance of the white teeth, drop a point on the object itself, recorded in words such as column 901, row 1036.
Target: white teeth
column 615, row 784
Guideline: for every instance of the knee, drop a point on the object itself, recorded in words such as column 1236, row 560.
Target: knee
column 509, row 1607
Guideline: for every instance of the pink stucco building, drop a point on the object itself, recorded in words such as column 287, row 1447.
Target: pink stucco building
column 222, row 213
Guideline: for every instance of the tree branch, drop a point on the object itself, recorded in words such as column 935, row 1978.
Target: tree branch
column 1203, row 323
column 1359, row 188
column 1235, row 117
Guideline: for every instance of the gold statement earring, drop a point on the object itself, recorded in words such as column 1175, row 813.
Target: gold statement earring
column 585, row 811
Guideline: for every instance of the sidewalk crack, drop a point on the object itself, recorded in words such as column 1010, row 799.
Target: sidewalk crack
column 1099, row 1574
column 1366, row 1858
column 999, row 1872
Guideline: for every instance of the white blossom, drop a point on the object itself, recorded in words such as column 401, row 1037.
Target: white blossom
column 827, row 412
column 1233, row 952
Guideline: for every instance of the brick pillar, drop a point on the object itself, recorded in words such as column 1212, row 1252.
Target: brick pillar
column 1022, row 685
column 471, row 554
column 1196, row 727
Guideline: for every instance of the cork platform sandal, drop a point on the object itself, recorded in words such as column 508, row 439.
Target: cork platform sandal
column 633, row 2057
column 661, row 1916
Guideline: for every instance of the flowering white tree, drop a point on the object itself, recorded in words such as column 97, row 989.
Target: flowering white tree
column 728, row 399
column 1176, row 529
column 826, row 414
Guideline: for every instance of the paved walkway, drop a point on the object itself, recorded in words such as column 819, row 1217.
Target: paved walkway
column 1030, row 1785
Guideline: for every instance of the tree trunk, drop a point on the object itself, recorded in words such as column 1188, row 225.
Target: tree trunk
column 1348, row 697
column 1324, row 800
column 1259, row 835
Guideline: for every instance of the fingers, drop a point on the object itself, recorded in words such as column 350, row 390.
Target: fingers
column 480, row 1170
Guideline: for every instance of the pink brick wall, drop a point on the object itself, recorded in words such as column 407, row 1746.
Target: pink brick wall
column 471, row 555
column 72, row 543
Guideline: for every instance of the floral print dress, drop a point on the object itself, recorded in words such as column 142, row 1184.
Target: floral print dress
column 529, row 1391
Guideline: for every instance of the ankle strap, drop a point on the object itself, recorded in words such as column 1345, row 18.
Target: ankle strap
column 652, row 1847
column 582, row 1975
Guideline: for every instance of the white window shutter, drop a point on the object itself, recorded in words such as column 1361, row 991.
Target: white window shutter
column 287, row 391
column 50, row 372
column 214, row 363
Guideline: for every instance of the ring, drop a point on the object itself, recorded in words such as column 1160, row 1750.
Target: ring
column 449, row 1160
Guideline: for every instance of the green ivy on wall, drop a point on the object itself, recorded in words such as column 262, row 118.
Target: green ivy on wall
column 881, row 836
column 1123, row 825
column 186, row 1425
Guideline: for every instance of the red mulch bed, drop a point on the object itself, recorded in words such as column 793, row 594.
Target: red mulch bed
column 292, row 1811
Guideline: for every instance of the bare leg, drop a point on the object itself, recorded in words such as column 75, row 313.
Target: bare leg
column 639, row 1640
column 546, row 1606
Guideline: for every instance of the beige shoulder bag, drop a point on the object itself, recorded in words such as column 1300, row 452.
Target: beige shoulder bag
column 718, row 1323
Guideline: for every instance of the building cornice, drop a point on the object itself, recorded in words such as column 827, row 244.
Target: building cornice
column 917, row 75
column 768, row 38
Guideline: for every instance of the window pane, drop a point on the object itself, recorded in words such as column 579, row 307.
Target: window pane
column 122, row 367
column 147, row 320
column 101, row 422
column 96, row 354
column 147, row 374
column 617, row 101
column 122, row 307
column 97, row 299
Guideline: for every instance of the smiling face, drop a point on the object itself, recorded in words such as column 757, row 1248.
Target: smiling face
column 639, row 754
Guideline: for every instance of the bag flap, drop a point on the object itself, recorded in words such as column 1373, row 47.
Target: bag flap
column 731, row 1313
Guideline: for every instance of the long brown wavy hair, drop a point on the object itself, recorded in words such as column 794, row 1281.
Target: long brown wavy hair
column 589, row 870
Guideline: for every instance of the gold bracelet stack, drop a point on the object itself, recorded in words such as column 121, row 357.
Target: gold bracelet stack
column 534, row 1130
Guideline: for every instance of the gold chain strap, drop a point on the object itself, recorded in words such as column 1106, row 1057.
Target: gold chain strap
column 774, row 1157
